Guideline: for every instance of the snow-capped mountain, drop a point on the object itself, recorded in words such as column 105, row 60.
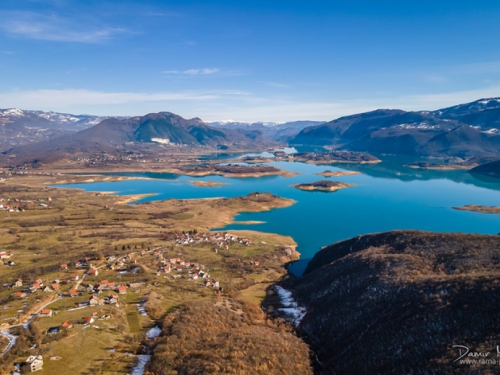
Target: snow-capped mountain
column 18, row 127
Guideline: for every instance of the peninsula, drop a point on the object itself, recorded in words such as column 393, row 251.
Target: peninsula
column 88, row 272
column 479, row 208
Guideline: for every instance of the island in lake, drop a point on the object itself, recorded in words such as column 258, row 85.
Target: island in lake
column 323, row 186
column 206, row 183
column 479, row 208
column 329, row 173
column 233, row 170
column 330, row 157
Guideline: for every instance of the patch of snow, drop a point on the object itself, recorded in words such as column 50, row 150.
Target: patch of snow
column 13, row 112
column 291, row 308
column 421, row 125
column 12, row 340
column 140, row 367
column 164, row 141
column 153, row 332
column 491, row 131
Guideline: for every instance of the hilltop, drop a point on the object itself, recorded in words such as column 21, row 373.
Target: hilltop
column 396, row 302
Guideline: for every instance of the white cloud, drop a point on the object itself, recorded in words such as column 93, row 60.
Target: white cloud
column 194, row 72
column 55, row 28
column 204, row 71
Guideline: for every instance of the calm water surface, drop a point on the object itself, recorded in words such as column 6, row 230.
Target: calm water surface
column 387, row 196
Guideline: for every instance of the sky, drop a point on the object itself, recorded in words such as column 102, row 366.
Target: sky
column 247, row 60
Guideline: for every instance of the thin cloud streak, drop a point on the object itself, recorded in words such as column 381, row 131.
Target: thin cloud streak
column 54, row 28
column 74, row 97
column 194, row 72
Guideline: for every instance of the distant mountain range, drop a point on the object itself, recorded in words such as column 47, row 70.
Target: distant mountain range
column 464, row 130
column 20, row 127
column 277, row 131
column 157, row 128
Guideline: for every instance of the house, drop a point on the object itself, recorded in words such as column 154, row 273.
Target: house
column 104, row 283
column 19, row 295
column 33, row 363
column 67, row 324
column 166, row 268
column 194, row 276
column 257, row 263
column 74, row 277
column 47, row 289
column 56, row 287
column 122, row 289
column 64, row 266
column 45, row 313
column 19, row 282
column 73, row 292
column 111, row 284
column 93, row 300
column 88, row 320
column 3, row 255
column 93, row 272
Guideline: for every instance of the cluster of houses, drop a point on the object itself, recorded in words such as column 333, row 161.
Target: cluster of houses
column 220, row 239
column 14, row 204
column 96, row 291
column 119, row 262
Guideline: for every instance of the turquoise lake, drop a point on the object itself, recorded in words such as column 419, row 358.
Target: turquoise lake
column 387, row 196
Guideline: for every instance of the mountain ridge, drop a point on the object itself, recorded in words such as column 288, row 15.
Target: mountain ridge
column 464, row 130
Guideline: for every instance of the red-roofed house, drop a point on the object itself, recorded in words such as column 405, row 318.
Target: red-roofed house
column 122, row 289
column 67, row 324
column 46, row 313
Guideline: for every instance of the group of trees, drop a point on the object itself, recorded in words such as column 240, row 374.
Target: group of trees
column 229, row 338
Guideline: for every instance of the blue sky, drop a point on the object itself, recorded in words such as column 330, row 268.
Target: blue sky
column 247, row 60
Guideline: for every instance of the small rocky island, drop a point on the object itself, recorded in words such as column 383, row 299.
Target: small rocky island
column 206, row 183
column 329, row 173
column 323, row 186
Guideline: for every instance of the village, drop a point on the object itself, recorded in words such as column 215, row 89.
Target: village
column 79, row 288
